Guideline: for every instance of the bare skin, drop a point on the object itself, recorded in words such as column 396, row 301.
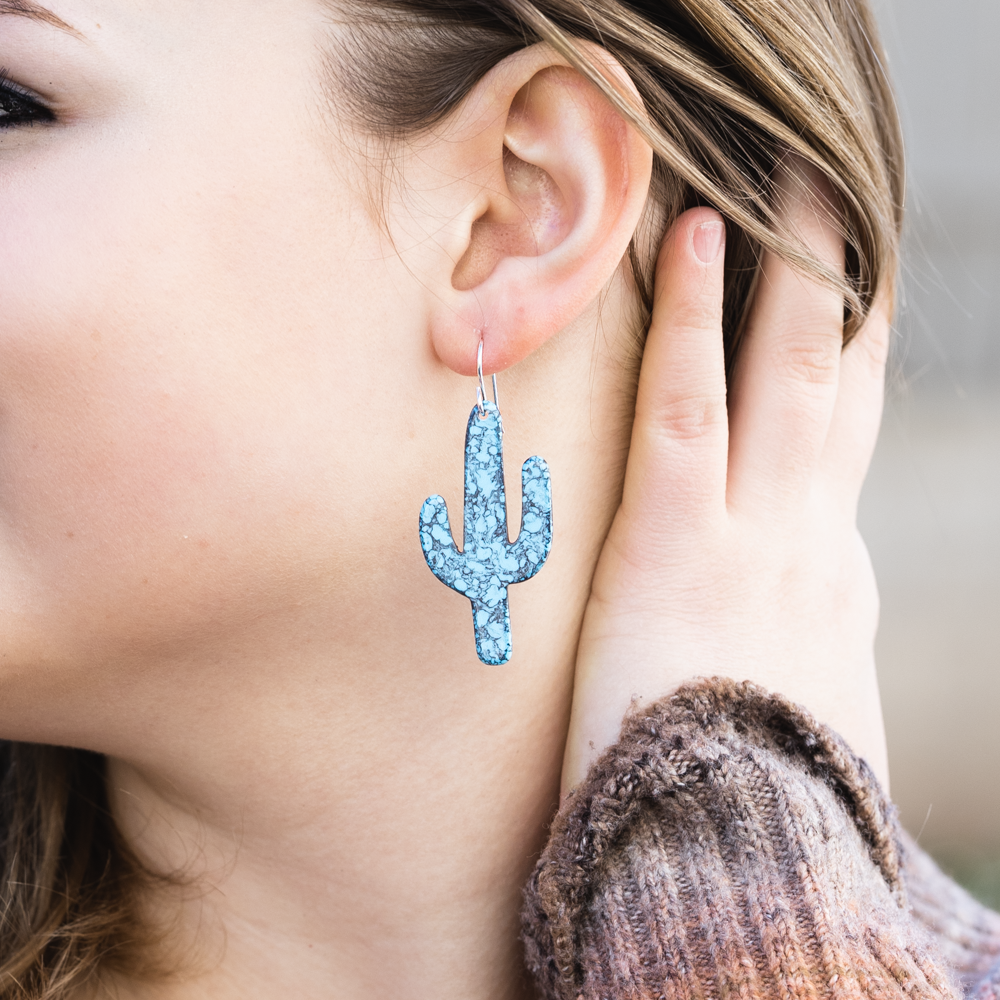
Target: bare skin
column 226, row 390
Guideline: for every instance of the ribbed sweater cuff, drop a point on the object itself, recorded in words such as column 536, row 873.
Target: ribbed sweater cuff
column 967, row 934
column 727, row 845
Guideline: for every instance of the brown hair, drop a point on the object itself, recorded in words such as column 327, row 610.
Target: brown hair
column 730, row 88
column 69, row 881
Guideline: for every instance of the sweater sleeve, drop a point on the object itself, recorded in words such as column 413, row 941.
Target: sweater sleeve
column 966, row 932
column 730, row 846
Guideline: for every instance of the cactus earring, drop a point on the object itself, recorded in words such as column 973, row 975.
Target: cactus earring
column 489, row 562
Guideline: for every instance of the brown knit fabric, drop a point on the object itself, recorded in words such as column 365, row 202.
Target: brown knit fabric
column 729, row 845
column 966, row 932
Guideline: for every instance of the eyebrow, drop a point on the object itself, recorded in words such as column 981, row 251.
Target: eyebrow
column 26, row 8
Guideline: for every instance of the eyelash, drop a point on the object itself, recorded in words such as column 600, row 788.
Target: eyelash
column 17, row 108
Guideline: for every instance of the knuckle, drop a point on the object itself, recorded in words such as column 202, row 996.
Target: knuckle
column 688, row 418
column 813, row 358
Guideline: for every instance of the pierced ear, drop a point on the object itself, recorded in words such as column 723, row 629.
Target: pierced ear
column 548, row 183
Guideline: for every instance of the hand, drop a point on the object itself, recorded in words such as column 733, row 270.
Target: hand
column 735, row 551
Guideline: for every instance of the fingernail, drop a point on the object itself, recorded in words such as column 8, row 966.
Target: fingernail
column 708, row 239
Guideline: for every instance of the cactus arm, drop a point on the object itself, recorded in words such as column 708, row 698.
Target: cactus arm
column 535, row 537
column 440, row 551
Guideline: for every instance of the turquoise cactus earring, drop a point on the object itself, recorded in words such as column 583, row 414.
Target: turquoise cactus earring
column 489, row 562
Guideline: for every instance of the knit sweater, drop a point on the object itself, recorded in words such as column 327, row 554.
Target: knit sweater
column 731, row 846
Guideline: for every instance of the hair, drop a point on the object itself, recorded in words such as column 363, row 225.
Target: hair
column 70, row 883
column 731, row 89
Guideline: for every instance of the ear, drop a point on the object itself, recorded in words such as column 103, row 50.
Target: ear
column 546, row 185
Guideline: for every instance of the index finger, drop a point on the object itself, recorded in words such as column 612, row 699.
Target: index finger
column 677, row 460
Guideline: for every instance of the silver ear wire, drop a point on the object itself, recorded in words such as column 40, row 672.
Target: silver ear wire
column 481, row 388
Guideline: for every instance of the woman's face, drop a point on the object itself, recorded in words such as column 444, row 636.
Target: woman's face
column 207, row 364
column 219, row 407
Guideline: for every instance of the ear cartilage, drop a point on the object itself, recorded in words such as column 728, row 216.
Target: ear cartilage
column 489, row 562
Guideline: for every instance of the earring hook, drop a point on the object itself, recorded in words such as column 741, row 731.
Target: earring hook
column 481, row 389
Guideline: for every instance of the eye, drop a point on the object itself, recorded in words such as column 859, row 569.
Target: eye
column 18, row 108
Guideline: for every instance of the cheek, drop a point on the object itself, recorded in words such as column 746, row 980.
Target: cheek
column 162, row 395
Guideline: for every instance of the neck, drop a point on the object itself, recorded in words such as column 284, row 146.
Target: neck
column 341, row 814
column 380, row 848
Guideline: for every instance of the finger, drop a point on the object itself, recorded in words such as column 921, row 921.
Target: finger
column 677, row 461
column 785, row 384
column 858, row 411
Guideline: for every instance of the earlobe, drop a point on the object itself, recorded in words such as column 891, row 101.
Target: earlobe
column 562, row 183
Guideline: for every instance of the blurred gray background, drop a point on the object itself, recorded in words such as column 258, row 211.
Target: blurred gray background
column 931, row 507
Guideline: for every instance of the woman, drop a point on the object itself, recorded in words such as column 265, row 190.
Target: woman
column 250, row 255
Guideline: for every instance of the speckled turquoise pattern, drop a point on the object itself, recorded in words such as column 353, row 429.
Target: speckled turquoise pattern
column 490, row 562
